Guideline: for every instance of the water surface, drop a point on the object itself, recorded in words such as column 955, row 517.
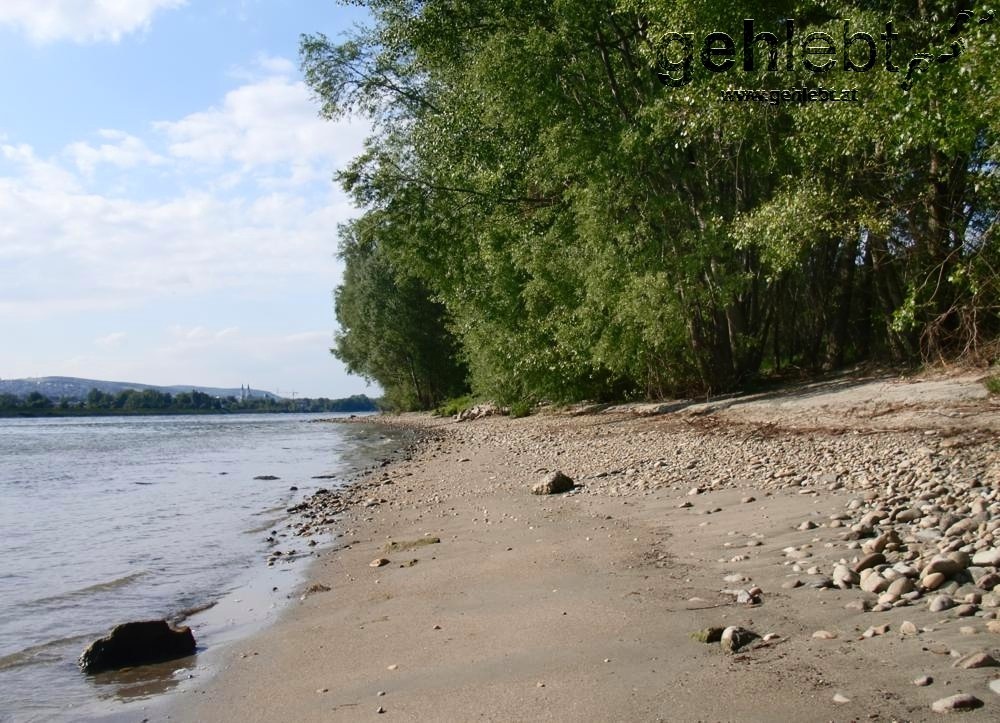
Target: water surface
column 110, row 519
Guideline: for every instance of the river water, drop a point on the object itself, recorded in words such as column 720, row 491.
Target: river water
column 105, row 520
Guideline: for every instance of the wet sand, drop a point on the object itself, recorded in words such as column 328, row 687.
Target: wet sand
column 581, row 606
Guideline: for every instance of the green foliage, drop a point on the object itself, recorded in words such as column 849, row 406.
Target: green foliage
column 151, row 401
column 520, row 409
column 564, row 225
column 992, row 384
column 451, row 407
column 392, row 331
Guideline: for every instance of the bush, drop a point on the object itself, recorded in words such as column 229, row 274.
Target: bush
column 453, row 406
column 520, row 409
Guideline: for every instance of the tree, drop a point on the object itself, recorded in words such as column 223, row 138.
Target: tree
column 593, row 226
column 36, row 401
column 392, row 332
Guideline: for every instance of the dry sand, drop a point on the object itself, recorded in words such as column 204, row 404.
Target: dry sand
column 579, row 607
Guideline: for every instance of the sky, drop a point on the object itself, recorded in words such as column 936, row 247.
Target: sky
column 167, row 209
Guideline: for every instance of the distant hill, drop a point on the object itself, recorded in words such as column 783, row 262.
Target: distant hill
column 74, row 388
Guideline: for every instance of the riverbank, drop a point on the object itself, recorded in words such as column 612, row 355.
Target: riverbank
column 496, row 604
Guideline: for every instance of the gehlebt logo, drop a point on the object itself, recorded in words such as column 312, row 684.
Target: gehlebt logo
column 818, row 51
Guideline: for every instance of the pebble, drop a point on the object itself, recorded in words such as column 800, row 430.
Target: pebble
column 378, row 562
column 923, row 681
column 959, row 701
column 976, row 660
column 989, row 558
column 840, row 698
column 861, row 605
column 940, row 603
column 845, row 577
column 875, row 630
column 735, row 637
column 824, row 635
column 869, row 561
column 907, row 628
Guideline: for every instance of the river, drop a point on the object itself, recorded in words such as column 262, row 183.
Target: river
column 105, row 520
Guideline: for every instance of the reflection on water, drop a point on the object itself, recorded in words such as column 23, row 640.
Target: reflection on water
column 112, row 519
column 142, row 683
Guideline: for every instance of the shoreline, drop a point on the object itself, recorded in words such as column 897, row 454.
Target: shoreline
column 258, row 596
column 581, row 606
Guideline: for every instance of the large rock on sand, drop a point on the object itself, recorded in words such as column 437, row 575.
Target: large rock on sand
column 553, row 484
column 139, row 643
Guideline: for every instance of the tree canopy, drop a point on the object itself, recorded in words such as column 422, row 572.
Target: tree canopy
column 559, row 202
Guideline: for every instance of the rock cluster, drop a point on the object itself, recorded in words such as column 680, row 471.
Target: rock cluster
column 919, row 541
column 481, row 410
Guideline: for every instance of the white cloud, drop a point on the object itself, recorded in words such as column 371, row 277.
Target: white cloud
column 81, row 20
column 200, row 335
column 122, row 151
column 275, row 65
column 111, row 340
column 241, row 199
column 37, row 172
column 267, row 122
column 66, row 242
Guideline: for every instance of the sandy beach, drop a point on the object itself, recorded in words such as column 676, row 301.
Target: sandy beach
column 817, row 518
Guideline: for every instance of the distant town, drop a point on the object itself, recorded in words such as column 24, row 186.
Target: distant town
column 72, row 396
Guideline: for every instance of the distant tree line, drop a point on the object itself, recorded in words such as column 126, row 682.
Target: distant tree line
column 151, row 401
column 552, row 212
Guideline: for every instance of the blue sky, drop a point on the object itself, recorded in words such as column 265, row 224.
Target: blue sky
column 167, row 213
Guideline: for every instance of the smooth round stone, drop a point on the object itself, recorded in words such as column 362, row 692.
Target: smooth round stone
column 940, row 603
column 874, row 583
column 959, row 701
column 989, row 558
column 960, row 558
column 844, row 576
column 909, row 515
column 933, row 581
column 944, row 565
column 900, row 586
column 869, row 561
column 887, row 598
